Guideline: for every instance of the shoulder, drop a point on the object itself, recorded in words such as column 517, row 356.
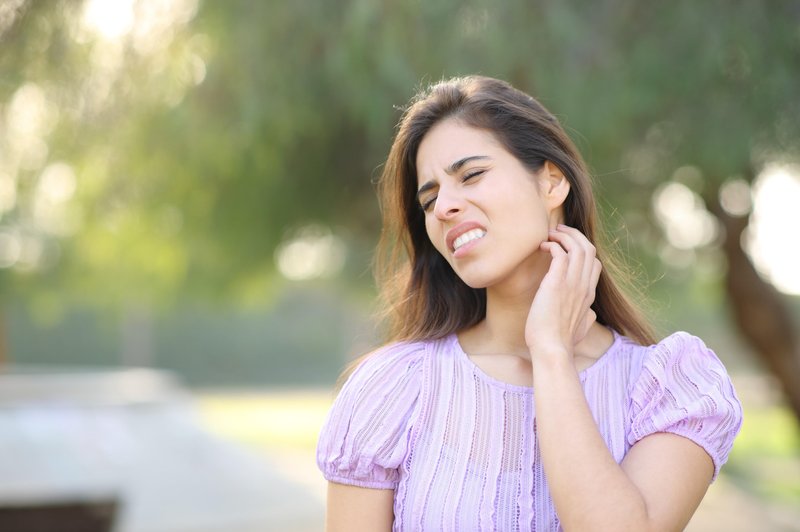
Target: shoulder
column 681, row 365
column 683, row 352
column 682, row 343
column 387, row 379
column 684, row 388
column 365, row 436
column 391, row 362
column 678, row 349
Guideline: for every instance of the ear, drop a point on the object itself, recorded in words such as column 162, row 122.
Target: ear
column 554, row 188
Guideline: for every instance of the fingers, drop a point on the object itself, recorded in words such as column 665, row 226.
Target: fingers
column 583, row 266
column 567, row 291
column 575, row 250
column 559, row 263
column 575, row 243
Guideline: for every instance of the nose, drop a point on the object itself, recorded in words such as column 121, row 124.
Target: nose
column 448, row 204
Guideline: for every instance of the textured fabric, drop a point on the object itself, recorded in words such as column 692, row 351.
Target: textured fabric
column 459, row 447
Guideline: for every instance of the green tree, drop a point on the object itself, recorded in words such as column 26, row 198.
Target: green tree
column 200, row 136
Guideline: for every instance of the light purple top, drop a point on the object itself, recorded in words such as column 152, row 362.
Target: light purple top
column 459, row 447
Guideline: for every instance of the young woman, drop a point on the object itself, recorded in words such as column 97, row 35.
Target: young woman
column 521, row 389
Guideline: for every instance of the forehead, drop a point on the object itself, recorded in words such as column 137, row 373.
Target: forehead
column 449, row 141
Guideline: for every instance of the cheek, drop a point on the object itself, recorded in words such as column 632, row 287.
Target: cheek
column 530, row 230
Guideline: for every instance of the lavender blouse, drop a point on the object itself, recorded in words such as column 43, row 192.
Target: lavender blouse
column 460, row 449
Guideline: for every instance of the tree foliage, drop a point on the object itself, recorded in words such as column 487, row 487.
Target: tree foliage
column 199, row 142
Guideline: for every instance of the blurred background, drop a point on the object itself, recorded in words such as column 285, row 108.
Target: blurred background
column 187, row 215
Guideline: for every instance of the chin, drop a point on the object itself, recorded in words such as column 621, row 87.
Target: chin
column 476, row 285
column 517, row 274
column 477, row 280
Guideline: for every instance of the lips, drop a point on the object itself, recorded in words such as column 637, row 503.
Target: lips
column 459, row 230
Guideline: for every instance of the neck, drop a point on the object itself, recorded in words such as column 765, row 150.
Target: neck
column 507, row 306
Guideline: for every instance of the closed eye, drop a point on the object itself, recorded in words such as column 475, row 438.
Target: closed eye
column 470, row 175
column 426, row 205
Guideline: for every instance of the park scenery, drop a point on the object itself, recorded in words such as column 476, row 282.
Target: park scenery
column 188, row 215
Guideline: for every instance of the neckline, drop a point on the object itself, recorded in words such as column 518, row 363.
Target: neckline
column 527, row 389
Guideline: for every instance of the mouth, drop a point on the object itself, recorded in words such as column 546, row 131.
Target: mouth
column 463, row 234
column 466, row 238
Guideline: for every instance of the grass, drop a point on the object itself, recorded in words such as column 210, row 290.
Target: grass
column 272, row 419
column 767, row 432
column 765, row 459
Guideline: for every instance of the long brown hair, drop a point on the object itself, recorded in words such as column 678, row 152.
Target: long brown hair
column 422, row 296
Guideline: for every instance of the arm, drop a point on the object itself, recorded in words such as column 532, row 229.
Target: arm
column 365, row 438
column 354, row 509
column 662, row 479
column 658, row 486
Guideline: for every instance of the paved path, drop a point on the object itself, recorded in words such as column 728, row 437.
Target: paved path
column 138, row 437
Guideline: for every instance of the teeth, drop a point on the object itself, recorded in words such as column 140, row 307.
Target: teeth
column 469, row 236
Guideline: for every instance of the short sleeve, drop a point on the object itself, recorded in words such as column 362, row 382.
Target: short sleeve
column 684, row 389
column 365, row 436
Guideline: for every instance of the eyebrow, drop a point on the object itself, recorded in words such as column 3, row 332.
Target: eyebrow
column 450, row 170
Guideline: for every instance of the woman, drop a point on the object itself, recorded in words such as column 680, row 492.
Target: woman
column 521, row 390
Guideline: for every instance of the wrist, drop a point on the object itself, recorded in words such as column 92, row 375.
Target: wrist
column 552, row 358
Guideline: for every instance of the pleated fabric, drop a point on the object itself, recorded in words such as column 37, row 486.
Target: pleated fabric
column 459, row 447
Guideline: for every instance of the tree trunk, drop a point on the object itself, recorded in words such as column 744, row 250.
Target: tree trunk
column 759, row 311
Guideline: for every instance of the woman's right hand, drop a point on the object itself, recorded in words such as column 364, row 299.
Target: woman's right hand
column 561, row 314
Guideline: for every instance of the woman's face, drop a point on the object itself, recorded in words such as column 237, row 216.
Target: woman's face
column 484, row 211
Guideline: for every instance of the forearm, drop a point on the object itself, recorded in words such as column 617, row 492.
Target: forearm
column 589, row 489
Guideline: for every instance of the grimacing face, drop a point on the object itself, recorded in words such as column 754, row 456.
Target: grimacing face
column 485, row 212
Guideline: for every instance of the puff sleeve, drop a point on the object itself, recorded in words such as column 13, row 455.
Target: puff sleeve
column 365, row 436
column 684, row 389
